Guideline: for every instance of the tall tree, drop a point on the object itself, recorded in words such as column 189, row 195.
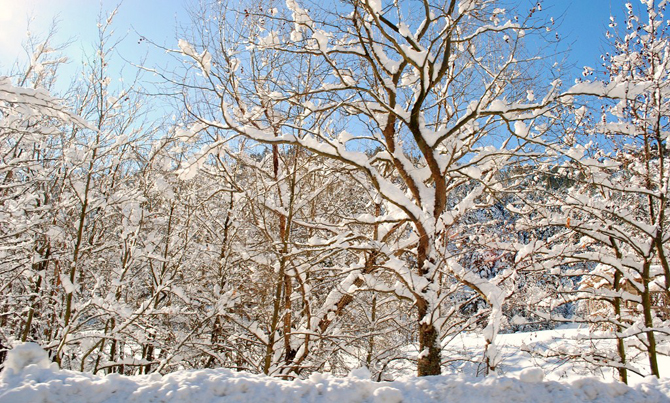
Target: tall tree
column 614, row 167
column 412, row 94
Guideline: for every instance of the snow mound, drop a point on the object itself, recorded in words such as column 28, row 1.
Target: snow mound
column 360, row 373
column 531, row 375
column 36, row 380
column 24, row 355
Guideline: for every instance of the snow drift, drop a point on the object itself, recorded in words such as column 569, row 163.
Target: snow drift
column 29, row 376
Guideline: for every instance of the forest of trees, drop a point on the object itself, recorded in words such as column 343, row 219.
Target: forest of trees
column 325, row 188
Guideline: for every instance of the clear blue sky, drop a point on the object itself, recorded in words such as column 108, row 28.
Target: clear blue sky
column 77, row 21
column 583, row 24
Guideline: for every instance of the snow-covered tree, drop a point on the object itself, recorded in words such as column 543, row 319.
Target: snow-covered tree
column 32, row 123
column 613, row 207
column 415, row 96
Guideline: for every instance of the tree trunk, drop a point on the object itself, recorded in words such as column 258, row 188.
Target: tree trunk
column 31, row 312
column 276, row 308
column 621, row 347
column 648, row 321
column 430, row 358
column 371, row 339
column 289, row 351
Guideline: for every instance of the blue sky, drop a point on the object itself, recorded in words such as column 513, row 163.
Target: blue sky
column 583, row 24
column 77, row 21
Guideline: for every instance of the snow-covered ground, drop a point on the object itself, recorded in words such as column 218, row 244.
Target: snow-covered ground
column 564, row 353
column 29, row 376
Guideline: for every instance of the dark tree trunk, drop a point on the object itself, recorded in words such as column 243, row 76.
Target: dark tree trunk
column 430, row 357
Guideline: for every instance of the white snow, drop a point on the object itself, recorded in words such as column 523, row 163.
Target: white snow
column 204, row 59
column 375, row 5
column 24, row 355
column 186, row 47
column 30, row 377
column 531, row 375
